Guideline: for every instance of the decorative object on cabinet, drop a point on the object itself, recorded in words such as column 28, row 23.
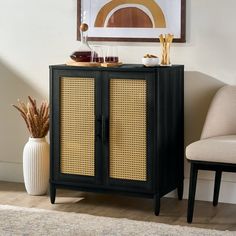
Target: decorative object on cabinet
column 98, row 54
column 86, row 56
column 216, row 151
column 150, row 60
column 83, row 64
column 84, row 52
column 166, row 41
column 125, row 20
column 117, row 130
column 36, row 150
column 115, row 64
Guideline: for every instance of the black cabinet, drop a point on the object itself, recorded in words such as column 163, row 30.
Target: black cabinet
column 117, row 130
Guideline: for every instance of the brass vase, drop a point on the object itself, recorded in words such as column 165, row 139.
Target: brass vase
column 166, row 41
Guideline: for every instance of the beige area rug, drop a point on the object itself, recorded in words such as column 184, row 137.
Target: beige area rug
column 16, row 221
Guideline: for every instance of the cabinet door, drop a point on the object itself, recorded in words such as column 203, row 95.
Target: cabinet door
column 75, row 140
column 129, row 115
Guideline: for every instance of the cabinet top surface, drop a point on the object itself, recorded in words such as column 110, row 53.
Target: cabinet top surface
column 135, row 67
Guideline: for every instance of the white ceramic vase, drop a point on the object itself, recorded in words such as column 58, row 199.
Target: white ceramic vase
column 36, row 166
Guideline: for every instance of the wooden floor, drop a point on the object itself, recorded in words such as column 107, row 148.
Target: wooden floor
column 173, row 211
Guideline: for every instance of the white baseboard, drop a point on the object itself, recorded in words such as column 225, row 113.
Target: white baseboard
column 11, row 172
column 205, row 188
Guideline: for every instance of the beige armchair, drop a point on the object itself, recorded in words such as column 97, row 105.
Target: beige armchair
column 216, row 150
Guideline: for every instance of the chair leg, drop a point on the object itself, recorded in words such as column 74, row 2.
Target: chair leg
column 217, row 187
column 192, row 191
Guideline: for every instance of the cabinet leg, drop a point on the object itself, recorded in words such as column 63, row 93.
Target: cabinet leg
column 180, row 190
column 52, row 193
column 157, row 202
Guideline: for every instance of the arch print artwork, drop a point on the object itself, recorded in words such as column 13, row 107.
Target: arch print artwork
column 129, row 11
column 132, row 20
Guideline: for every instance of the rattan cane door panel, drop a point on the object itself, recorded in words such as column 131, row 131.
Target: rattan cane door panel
column 127, row 129
column 77, row 129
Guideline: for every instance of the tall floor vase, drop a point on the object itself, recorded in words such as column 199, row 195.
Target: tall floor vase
column 36, row 166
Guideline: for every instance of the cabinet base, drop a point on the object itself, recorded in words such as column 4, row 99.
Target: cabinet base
column 156, row 197
column 157, row 204
column 180, row 190
column 52, row 193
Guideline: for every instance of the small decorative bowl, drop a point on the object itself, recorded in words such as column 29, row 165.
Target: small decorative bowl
column 149, row 62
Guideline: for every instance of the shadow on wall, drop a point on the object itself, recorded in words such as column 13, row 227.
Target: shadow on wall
column 13, row 130
column 199, row 91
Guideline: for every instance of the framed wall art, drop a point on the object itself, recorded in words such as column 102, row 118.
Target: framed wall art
column 132, row 20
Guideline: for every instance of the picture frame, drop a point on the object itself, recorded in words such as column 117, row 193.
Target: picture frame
column 132, row 20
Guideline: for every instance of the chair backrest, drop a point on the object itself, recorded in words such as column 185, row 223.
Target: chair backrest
column 221, row 116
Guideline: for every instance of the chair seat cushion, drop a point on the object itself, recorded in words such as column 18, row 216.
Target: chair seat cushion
column 221, row 149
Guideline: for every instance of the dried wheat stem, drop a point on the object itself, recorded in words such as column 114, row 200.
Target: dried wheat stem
column 36, row 119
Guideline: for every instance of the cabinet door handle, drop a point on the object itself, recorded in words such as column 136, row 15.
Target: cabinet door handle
column 104, row 130
column 98, row 127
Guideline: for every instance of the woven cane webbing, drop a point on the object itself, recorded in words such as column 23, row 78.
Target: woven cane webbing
column 127, row 124
column 77, row 126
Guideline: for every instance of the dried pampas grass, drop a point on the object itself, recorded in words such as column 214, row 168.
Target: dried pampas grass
column 36, row 119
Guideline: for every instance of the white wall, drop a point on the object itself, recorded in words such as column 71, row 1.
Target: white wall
column 35, row 34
